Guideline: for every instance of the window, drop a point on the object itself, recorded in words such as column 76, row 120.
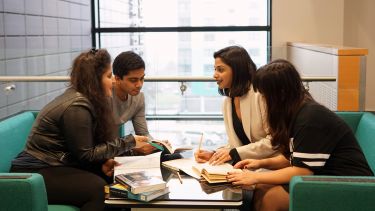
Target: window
column 178, row 38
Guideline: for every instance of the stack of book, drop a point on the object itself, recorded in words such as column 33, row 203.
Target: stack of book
column 140, row 186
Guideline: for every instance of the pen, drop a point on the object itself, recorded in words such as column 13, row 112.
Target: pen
column 179, row 176
column 200, row 143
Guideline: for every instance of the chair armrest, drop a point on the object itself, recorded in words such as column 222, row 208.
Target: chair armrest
column 332, row 193
column 22, row 191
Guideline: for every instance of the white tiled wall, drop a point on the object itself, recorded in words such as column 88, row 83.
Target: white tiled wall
column 39, row 37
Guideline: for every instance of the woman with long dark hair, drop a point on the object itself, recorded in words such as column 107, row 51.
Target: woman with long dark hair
column 312, row 139
column 243, row 110
column 73, row 139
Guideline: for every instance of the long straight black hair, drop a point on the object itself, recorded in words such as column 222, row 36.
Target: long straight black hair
column 243, row 69
column 281, row 85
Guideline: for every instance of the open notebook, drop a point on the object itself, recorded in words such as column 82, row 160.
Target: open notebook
column 213, row 174
column 129, row 164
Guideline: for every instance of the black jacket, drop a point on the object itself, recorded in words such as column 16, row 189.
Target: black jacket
column 63, row 134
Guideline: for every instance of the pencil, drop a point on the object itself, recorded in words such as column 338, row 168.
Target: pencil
column 179, row 176
column 200, row 143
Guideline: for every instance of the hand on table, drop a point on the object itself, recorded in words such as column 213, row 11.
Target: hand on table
column 244, row 178
column 252, row 164
column 109, row 166
column 220, row 156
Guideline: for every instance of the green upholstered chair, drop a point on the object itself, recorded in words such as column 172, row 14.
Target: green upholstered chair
column 21, row 191
column 340, row 192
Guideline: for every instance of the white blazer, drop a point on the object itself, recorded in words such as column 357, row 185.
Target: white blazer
column 254, row 122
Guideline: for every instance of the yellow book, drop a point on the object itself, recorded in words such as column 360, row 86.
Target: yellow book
column 215, row 174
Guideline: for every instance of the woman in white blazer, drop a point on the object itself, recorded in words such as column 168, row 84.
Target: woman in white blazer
column 244, row 110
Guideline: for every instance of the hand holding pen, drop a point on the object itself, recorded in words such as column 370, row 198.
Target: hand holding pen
column 202, row 156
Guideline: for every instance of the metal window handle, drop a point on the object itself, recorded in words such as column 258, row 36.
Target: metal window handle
column 183, row 88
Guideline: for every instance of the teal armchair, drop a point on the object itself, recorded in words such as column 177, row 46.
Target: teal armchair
column 21, row 191
column 342, row 193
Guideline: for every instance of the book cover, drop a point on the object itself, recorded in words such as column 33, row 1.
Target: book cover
column 122, row 192
column 141, row 181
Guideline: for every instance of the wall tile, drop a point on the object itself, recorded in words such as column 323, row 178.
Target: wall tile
column 52, row 95
column 35, row 65
column 34, row 46
column 15, row 66
column 51, row 44
column 35, row 90
column 2, row 48
column 63, row 9
column 76, row 43
column 14, row 24
column 37, row 103
column 15, row 47
column 51, row 64
column 85, row 2
column 2, row 67
column 1, row 5
column 3, row 112
column 85, row 12
column 50, row 26
column 75, row 11
column 54, row 33
column 33, row 7
column 17, row 96
column 86, row 42
column 34, row 25
column 65, row 61
column 86, row 27
column 56, row 86
column 64, row 27
column 50, row 8
column 4, row 95
column 1, row 23
column 64, row 44
column 18, row 103
column 16, row 6
column 75, row 27
column 77, row 1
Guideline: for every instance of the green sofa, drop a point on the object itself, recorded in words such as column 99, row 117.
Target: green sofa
column 340, row 192
column 21, row 191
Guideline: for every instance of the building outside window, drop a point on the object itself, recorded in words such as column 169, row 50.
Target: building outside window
column 178, row 38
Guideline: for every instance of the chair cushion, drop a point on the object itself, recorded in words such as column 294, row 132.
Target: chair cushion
column 351, row 118
column 56, row 207
column 17, row 193
column 13, row 135
column 366, row 137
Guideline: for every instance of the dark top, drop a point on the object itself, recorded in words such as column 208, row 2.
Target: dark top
column 322, row 142
column 63, row 135
column 240, row 132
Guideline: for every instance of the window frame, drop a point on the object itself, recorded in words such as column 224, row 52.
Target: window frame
column 97, row 30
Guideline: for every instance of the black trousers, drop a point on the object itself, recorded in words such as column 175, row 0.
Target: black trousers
column 72, row 186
